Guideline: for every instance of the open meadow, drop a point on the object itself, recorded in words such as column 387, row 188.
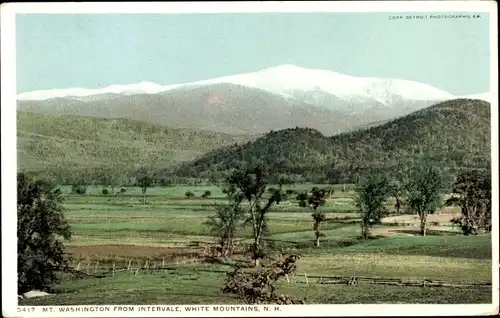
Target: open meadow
column 160, row 252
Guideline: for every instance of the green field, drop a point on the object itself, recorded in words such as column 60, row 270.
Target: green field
column 169, row 231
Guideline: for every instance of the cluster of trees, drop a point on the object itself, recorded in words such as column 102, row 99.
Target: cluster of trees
column 419, row 190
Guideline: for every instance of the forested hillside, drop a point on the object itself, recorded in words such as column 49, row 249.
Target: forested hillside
column 453, row 134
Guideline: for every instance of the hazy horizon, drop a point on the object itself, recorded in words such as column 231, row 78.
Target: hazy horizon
column 97, row 50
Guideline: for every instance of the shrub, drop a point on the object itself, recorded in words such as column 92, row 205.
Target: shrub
column 189, row 194
column 206, row 194
column 79, row 189
column 105, row 191
column 259, row 287
column 123, row 190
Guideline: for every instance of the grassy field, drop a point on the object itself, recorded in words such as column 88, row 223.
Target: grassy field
column 169, row 231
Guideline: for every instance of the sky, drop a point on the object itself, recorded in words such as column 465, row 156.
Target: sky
column 97, row 50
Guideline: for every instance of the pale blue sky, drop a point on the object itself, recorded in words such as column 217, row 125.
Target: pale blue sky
column 83, row 50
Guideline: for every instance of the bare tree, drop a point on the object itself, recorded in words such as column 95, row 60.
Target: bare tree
column 249, row 185
column 224, row 224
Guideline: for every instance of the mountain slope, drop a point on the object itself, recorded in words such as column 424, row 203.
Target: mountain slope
column 281, row 97
column 455, row 134
column 55, row 143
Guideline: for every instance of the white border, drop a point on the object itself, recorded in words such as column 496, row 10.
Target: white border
column 8, row 140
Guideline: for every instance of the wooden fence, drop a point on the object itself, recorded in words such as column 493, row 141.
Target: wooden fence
column 148, row 267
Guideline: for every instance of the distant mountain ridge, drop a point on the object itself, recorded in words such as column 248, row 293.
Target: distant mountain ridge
column 454, row 134
column 280, row 97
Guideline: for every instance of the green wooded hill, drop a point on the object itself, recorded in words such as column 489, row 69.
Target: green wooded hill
column 54, row 143
column 454, row 134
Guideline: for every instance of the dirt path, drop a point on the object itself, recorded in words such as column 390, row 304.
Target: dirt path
column 442, row 219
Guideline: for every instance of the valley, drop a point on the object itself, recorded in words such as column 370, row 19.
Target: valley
column 142, row 169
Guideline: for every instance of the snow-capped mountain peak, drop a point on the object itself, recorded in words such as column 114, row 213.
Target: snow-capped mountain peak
column 287, row 80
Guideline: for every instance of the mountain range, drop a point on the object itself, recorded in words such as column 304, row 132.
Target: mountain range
column 455, row 133
column 280, row 97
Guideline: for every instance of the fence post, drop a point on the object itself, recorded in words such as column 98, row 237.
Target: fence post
column 307, row 280
column 129, row 268
column 287, row 279
column 163, row 262
column 113, row 268
column 87, row 267
column 96, row 265
column 78, row 266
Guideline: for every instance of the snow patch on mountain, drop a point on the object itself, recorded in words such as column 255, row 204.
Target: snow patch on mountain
column 130, row 89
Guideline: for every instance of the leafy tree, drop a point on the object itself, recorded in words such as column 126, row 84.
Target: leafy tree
column 472, row 192
column 224, row 224
column 189, row 194
column 397, row 183
column 371, row 196
column 315, row 199
column 424, row 192
column 249, row 185
column 259, row 287
column 144, row 180
column 41, row 226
